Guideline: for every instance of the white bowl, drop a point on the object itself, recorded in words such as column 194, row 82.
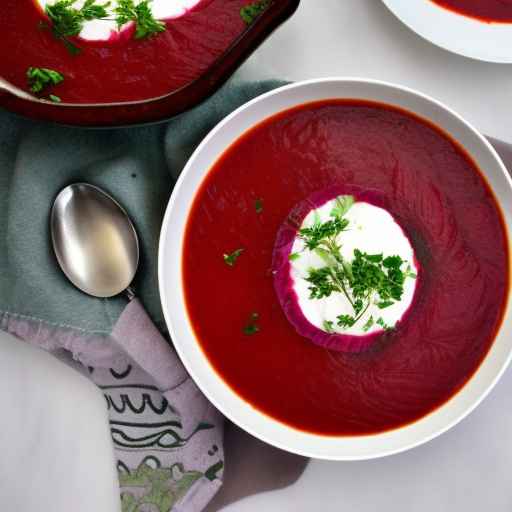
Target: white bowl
column 455, row 32
column 171, row 289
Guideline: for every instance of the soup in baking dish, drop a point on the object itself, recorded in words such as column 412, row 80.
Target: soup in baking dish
column 345, row 267
column 96, row 51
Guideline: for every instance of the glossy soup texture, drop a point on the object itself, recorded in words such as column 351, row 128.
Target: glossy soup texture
column 120, row 69
column 485, row 10
column 437, row 195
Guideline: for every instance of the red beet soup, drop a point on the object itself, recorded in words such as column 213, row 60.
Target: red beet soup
column 431, row 187
column 122, row 68
column 499, row 11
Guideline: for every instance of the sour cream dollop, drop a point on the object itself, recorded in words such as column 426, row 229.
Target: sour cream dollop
column 370, row 229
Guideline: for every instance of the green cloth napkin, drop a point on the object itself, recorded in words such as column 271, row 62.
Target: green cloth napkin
column 138, row 166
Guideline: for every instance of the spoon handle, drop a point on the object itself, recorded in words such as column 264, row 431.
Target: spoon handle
column 5, row 86
column 130, row 293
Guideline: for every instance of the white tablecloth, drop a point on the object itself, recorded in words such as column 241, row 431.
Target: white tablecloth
column 48, row 453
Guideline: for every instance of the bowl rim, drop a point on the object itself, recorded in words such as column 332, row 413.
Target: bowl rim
column 429, row 21
column 232, row 414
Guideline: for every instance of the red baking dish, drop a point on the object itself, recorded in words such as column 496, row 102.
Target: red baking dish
column 133, row 111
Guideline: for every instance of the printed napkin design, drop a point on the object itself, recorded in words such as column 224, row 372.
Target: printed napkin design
column 149, row 439
column 167, row 436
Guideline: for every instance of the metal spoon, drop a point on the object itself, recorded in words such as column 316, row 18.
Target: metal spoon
column 16, row 91
column 94, row 241
column 97, row 248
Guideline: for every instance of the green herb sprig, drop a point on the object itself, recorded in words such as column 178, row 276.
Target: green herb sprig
column 140, row 13
column 251, row 11
column 252, row 326
column 41, row 78
column 367, row 279
column 230, row 259
column 383, row 324
column 67, row 21
column 258, row 205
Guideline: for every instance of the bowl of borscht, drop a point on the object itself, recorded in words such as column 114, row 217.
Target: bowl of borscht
column 122, row 62
column 334, row 268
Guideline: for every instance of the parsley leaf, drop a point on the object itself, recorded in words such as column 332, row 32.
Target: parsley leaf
column 368, row 325
column 342, row 206
column 384, row 325
column 140, row 13
column 93, row 11
column 68, row 21
column 258, row 205
column 322, row 233
column 321, row 281
column 252, row 327
column 230, row 259
column 374, row 258
column 393, row 262
column 358, row 306
column 250, row 12
column 294, row 256
column 328, row 326
column 40, row 78
column 345, row 320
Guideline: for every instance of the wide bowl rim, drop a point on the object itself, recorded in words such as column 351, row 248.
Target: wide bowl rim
column 242, row 418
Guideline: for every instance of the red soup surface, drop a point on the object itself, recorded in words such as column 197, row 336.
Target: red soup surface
column 122, row 68
column 439, row 197
column 484, row 10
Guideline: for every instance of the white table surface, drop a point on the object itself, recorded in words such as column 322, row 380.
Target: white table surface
column 47, row 452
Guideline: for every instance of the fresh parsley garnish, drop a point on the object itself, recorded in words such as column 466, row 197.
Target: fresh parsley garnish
column 322, row 282
column 250, row 12
column 41, row 78
column 258, row 205
column 342, row 206
column 384, row 325
column 365, row 280
column 230, row 259
column 67, row 21
column 345, row 321
column 252, row 326
column 293, row 256
column 368, row 325
column 328, row 326
column 140, row 13
column 54, row 98
column 323, row 234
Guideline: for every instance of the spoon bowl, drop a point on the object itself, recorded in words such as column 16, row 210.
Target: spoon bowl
column 94, row 240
